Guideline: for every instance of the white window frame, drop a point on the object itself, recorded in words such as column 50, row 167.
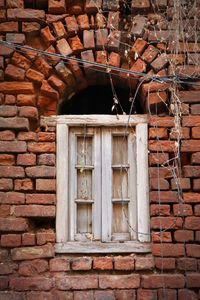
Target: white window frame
column 142, row 241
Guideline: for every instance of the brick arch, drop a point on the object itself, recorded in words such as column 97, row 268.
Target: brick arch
column 84, row 33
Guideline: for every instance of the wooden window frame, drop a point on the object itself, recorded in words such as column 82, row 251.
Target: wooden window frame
column 142, row 242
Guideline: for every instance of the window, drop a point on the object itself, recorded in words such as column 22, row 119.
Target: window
column 102, row 184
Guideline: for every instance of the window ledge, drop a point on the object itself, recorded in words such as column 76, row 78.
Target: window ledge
column 98, row 247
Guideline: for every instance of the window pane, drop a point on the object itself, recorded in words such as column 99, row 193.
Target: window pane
column 120, row 184
column 84, row 218
column 84, row 184
column 120, row 218
column 84, row 151
column 119, row 150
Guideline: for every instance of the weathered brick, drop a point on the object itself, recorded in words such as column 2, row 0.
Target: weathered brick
column 28, row 239
column 82, row 264
column 157, row 281
column 193, row 250
column 182, row 209
column 183, row 235
column 15, row 147
column 165, row 146
column 31, row 28
column 101, row 36
column 16, row 87
column 103, row 263
column 42, row 65
column 21, row 61
column 191, row 171
column 41, row 147
column 9, row 99
column 196, row 184
column 34, row 76
column 165, row 263
column 44, row 237
column 88, row 39
column 23, row 185
column 34, row 211
column 65, row 74
column 75, row 44
column 12, row 198
column 160, row 133
column 40, row 198
column 192, row 223
column 158, row 158
column 150, row 54
column 48, row 91
column 57, row 84
column 77, row 282
column 162, row 172
column 186, row 263
column 18, row 38
column 193, row 280
column 138, row 26
column 4, row 210
column 190, row 146
column 26, row 159
column 13, row 224
column 191, row 197
column 47, row 36
column 11, row 171
column 138, row 67
column 63, row 47
column 146, row 294
column 55, row 7
column 183, row 183
column 26, row 100
column 160, row 210
column 185, row 294
column 195, row 132
column 45, row 184
column 59, row 29
column 26, row 284
column 7, row 135
column 26, row 253
column 6, row 184
column 4, row 282
column 8, row 27
column 119, row 281
column 83, row 295
column 164, row 197
column 173, row 250
column 59, row 264
column 7, row 160
column 159, row 184
column 39, row 296
column 166, row 222
column 144, row 263
column 40, row 171
column 161, row 121
column 27, row 14
column 124, row 263
column 46, row 159
column 11, row 240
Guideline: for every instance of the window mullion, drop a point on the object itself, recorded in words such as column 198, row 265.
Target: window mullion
column 106, row 185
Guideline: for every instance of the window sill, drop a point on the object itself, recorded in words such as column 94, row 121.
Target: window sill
column 98, row 247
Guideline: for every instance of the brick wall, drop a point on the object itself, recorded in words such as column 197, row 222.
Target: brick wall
column 32, row 85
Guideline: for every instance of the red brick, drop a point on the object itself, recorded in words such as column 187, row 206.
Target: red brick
column 34, row 76
column 189, row 96
column 150, row 54
column 101, row 36
column 191, row 171
column 72, row 25
column 182, row 210
column 27, row 136
column 7, row 268
column 162, row 172
column 157, row 281
column 183, row 236
column 103, row 263
column 63, row 47
column 39, row 296
column 119, row 281
column 27, row 14
column 59, row 264
column 45, row 184
column 138, row 67
column 46, row 159
column 13, row 146
column 88, row 39
column 187, row 294
column 187, row 264
column 124, row 263
column 161, row 121
column 8, row 111
column 6, row 27
column 173, row 250
column 35, row 283
column 6, row 51
column 7, row 135
column 162, row 146
column 196, row 184
column 28, row 239
column 138, row 48
column 154, row 86
column 83, row 22
column 63, row 295
column 109, row 295
column 183, row 183
column 43, row 66
column 20, row 61
column 11, row 171
column 3, row 255
column 164, row 237
column 12, row 198
column 31, row 28
column 6, row 184
column 81, row 264
column 40, row 172
column 34, row 211
column 155, row 133
column 6, row 160
column 75, row 44
column 146, row 294
column 113, row 20
column 168, row 294
column 191, row 121
column 195, row 132
column 25, row 100
column 40, row 198
column 55, row 7
column 197, row 210
column 165, row 263
column 192, row 223
column 41, row 147
column 44, row 237
column 59, row 29
column 195, row 109
column 166, row 222
column 16, row 87
column 163, row 197
column 26, row 253
column 159, row 184
column 182, row 133
column 48, row 91
column 193, row 280
column 47, row 36
column 158, row 158
column 83, row 295
column 102, row 57
column 10, row 99
column 18, row 38
column 11, row 240
column 125, row 295
column 57, row 84
column 114, row 59
column 46, row 136
column 77, row 282
column 193, row 250
column 160, row 210
column 195, row 158
column 26, row 159
column 4, row 282
column 4, row 210
column 13, row 224
column 144, row 263
column 190, row 146
column 191, row 197
column 23, row 185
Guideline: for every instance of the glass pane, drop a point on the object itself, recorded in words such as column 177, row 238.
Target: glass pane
column 120, row 184
column 84, row 218
column 84, row 184
column 120, row 218
column 119, row 150
column 84, row 151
